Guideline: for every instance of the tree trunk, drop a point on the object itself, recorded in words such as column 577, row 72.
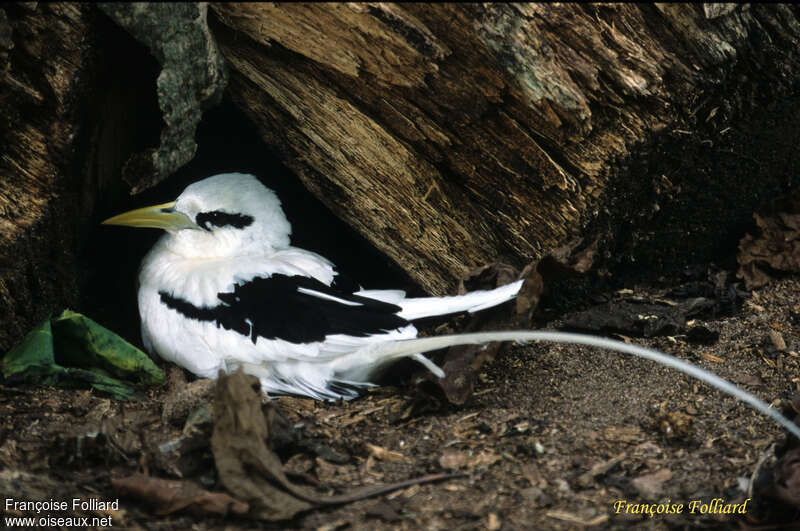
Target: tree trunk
column 43, row 54
column 451, row 135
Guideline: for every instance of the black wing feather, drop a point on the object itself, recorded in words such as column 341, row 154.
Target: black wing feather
column 278, row 311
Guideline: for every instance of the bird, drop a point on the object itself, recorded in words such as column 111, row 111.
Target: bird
column 223, row 289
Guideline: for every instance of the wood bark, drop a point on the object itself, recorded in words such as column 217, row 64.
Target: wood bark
column 40, row 196
column 81, row 101
column 451, row 135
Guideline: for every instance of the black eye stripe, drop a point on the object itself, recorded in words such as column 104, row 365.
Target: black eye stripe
column 218, row 218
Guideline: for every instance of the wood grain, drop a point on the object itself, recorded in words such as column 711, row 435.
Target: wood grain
column 451, row 135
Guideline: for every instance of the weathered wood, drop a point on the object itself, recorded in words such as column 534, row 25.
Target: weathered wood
column 453, row 134
column 192, row 79
column 81, row 100
column 41, row 91
column 449, row 135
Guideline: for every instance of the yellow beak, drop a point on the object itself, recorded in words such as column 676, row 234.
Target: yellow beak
column 156, row 217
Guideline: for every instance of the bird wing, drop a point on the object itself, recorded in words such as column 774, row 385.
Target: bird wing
column 296, row 309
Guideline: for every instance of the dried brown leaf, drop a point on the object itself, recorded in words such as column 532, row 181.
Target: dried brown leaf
column 776, row 488
column 463, row 362
column 168, row 496
column 776, row 248
column 788, row 484
column 251, row 471
column 246, row 467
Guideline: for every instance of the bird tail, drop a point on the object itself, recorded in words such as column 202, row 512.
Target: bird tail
column 470, row 302
column 375, row 355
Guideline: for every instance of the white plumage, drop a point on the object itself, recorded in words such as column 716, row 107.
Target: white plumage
column 223, row 288
column 189, row 267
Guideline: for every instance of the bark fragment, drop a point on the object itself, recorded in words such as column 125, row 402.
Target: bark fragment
column 192, row 79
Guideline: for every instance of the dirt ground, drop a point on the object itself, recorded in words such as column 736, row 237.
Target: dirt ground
column 553, row 437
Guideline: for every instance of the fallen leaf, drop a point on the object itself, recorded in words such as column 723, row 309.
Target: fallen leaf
column 463, row 362
column 246, row 467
column 71, row 350
column 167, row 496
column 788, row 479
column 776, row 248
column 639, row 319
column 251, row 471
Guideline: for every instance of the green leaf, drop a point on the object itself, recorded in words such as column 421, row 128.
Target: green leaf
column 81, row 341
column 34, row 356
column 71, row 350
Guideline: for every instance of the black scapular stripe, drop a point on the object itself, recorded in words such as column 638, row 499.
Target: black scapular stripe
column 278, row 311
column 219, row 218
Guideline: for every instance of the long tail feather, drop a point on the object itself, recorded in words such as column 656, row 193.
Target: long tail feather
column 378, row 353
column 471, row 302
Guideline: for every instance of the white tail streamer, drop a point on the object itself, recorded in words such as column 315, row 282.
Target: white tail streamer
column 470, row 302
column 377, row 353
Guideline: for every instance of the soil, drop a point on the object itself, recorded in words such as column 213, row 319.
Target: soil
column 552, row 438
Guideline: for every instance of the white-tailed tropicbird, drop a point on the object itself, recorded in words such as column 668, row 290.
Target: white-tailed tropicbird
column 223, row 288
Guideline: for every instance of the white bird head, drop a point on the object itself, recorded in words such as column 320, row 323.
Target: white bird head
column 226, row 215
